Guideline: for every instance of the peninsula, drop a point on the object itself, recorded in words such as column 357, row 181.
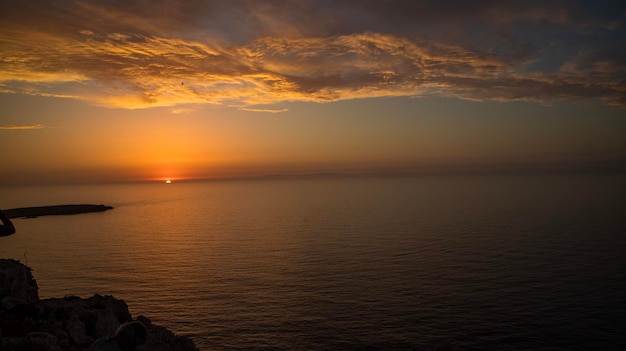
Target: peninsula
column 32, row 212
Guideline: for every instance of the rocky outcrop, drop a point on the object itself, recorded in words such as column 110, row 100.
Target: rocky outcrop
column 70, row 323
column 17, row 286
column 56, row 210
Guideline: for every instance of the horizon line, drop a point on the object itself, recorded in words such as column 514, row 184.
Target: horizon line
column 537, row 168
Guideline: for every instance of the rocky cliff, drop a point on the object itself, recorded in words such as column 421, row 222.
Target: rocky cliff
column 70, row 323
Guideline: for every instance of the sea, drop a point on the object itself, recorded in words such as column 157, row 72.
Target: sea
column 458, row 262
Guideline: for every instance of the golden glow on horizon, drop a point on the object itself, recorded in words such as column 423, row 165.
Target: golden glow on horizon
column 215, row 143
column 100, row 91
column 168, row 181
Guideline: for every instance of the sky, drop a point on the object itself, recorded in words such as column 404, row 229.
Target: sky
column 105, row 90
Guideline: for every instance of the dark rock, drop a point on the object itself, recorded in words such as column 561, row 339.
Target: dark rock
column 70, row 323
column 147, row 322
column 17, row 286
column 32, row 212
column 76, row 329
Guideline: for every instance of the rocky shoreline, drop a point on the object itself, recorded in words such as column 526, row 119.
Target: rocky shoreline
column 56, row 210
column 71, row 323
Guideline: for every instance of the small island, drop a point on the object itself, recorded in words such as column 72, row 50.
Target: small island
column 56, row 210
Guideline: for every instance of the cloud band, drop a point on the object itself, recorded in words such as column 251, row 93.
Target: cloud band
column 140, row 68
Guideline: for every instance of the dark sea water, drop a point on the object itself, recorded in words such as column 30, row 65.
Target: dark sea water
column 472, row 262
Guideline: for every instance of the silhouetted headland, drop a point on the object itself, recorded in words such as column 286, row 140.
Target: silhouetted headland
column 56, row 210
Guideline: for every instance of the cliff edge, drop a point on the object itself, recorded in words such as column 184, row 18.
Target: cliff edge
column 70, row 323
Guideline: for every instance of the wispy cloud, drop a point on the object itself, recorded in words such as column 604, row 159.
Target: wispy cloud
column 267, row 110
column 181, row 110
column 130, row 62
column 21, row 126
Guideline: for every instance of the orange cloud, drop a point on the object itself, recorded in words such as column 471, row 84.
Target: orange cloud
column 138, row 66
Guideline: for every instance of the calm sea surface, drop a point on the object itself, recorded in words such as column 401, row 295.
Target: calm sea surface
column 478, row 262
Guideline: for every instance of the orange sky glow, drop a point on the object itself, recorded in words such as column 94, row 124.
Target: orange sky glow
column 96, row 91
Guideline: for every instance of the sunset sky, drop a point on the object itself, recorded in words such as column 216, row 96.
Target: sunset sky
column 145, row 90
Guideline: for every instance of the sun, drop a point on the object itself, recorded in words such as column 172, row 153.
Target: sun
column 168, row 181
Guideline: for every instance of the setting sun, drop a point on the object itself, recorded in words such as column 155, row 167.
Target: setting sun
column 168, row 181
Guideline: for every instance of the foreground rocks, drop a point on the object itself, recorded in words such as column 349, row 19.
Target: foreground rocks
column 70, row 323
